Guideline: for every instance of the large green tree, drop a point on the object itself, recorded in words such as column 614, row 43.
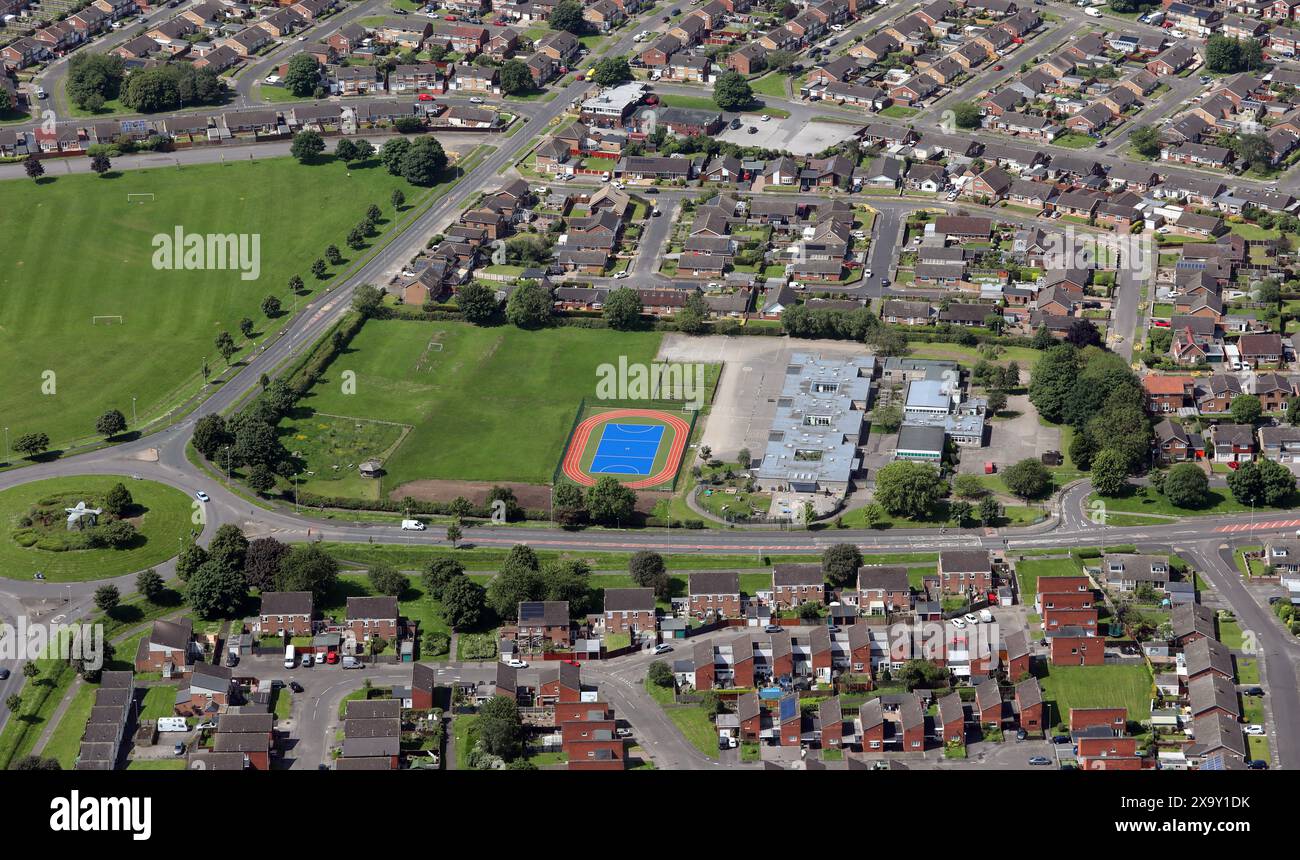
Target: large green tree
column 622, row 309
column 1187, row 486
column 1028, row 479
column 840, row 563
column 908, row 489
column 731, row 92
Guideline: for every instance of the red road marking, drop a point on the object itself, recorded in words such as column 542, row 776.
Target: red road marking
column 582, row 434
column 1248, row 527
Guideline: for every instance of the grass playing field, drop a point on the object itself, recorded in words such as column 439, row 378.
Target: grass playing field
column 74, row 248
column 491, row 404
column 164, row 521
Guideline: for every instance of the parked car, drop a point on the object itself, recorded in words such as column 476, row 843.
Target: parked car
column 1040, row 760
column 773, row 628
column 308, row 661
column 971, row 618
column 332, row 657
column 232, row 660
column 517, row 664
column 1257, row 764
column 1021, row 734
column 179, row 749
column 295, row 686
column 1254, row 691
column 4, row 674
column 753, row 129
column 663, row 649
column 958, row 623
column 1254, row 729
column 1060, row 739
column 476, row 100
column 986, row 616
column 998, row 67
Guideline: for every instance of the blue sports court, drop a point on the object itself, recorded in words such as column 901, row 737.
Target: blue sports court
column 627, row 449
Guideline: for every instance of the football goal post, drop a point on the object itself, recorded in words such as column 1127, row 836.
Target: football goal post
column 107, row 319
column 140, row 197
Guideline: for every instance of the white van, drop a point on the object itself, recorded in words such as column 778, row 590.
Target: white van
column 351, row 663
column 412, row 526
column 290, row 658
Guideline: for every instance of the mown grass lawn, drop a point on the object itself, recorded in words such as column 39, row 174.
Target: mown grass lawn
column 162, row 519
column 65, row 740
column 1110, row 686
column 1144, row 500
column 494, row 403
column 1028, row 572
column 158, row 702
column 79, row 232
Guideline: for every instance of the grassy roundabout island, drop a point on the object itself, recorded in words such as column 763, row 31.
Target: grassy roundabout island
column 34, row 533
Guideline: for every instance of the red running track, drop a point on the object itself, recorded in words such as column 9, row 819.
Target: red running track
column 582, row 434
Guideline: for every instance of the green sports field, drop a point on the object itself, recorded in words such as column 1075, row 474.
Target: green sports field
column 162, row 517
column 74, row 248
column 487, row 404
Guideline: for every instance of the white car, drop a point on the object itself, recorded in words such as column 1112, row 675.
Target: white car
column 958, row 623
column 868, row 273
column 971, row 618
column 517, row 664
column 476, row 100
column 1177, row 34
column 986, row 616
column 663, row 649
column 766, row 117
column 308, row 661
column 1255, row 729
column 1092, row 13
column 618, row 276
column 202, row 496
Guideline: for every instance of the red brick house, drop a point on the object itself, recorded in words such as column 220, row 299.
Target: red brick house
column 424, row 678
column 739, row 655
column 749, row 714
column 1114, row 719
column 1072, row 646
column 793, row 584
column 369, row 617
column 714, row 592
column 209, row 691
column 830, row 720
column 1017, row 655
column 912, row 723
column 1104, row 752
column 544, row 621
column 965, row 571
column 789, row 721
column 871, row 729
column 952, row 719
column 883, row 589
column 1167, row 394
column 629, row 610
column 988, row 703
column 286, row 613
column 169, row 644
column 1029, row 706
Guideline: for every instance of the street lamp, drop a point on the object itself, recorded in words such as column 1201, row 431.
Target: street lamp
column 134, row 422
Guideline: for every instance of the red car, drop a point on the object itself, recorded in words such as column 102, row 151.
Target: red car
column 425, row 97
column 332, row 657
column 997, row 68
column 572, row 662
column 450, row 18
column 1160, row 323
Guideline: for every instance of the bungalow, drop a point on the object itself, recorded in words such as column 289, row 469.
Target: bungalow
column 1259, row 349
